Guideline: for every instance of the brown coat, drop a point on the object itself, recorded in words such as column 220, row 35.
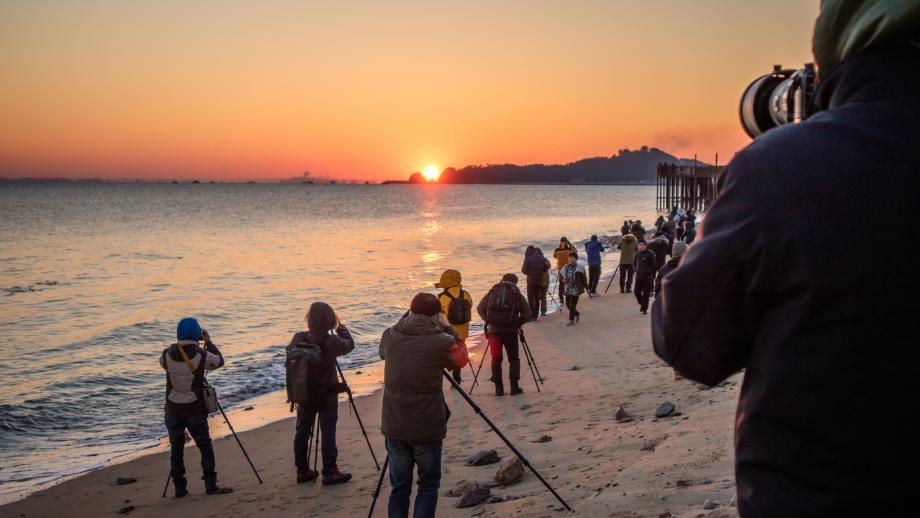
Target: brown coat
column 628, row 245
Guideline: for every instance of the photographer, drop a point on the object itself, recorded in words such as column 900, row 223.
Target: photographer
column 826, row 423
column 415, row 351
column 504, row 310
column 186, row 409
column 321, row 321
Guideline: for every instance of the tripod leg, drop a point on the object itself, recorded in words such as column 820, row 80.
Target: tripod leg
column 166, row 488
column 534, row 360
column 530, row 365
column 316, row 448
column 479, row 369
column 386, row 462
column 235, row 436
column 611, row 279
column 501, row 436
column 358, row 416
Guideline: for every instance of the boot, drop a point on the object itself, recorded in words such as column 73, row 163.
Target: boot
column 211, row 487
column 336, row 477
column 307, row 476
column 499, row 388
column 181, row 486
column 515, row 388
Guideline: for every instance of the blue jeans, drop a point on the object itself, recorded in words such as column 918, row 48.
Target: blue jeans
column 303, row 432
column 198, row 428
column 403, row 456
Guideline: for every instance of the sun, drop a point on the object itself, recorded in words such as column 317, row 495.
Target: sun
column 431, row 173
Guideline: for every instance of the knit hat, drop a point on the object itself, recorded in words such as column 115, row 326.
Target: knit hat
column 425, row 304
column 510, row 277
column 188, row 329
column 680, row 248
column 321, row 318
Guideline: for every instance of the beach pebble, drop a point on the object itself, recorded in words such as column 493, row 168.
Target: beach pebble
column 684, row 483
column 124, row 481
column 574, row 368
column 545, row 438
column 474, row 497
column 710, row 505
column 247, row 409
column 462, row 487
column 649, row 445
column 665, row 409
column 483, row 458
column 509, row 471
column 126, row 509
column 496, row 499
column 622, row 416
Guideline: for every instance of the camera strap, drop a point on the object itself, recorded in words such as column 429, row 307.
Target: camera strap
column 188, row 362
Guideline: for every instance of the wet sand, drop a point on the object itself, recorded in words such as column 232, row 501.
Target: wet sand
column 602, row 467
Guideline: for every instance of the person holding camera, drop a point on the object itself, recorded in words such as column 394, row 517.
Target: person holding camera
column 325, row 331
column 415, row 352
column 456, row 306
column 535, row 267
column 185, row 364
column 504, row 310
column 825, row 423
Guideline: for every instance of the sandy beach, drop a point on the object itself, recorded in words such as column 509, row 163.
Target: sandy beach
column 602, row 467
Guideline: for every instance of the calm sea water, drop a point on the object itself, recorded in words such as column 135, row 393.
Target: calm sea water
column 107, row 271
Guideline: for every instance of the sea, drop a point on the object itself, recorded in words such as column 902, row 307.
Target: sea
column 94, row 278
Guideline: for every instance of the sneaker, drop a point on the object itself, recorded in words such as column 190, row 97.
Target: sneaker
column 218, row 490
column 570, row 323
column 578, row 318
column 628, row 290
column 499, row 390
column 622, row 290
column 307, row 476
column 181, row 491
column 645, row 312
column 515, row 390
column 336, row 477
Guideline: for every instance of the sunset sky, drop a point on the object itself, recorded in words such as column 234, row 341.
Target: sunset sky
column 375, row 90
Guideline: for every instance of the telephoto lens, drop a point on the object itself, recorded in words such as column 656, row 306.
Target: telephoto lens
column 778, row 98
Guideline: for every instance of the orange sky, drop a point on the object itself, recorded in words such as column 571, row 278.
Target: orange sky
column 375, row 90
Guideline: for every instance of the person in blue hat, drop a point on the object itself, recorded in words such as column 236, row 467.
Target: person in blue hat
column 185, row 364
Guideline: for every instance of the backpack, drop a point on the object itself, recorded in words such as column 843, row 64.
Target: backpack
column 502, row 308
column 459, row 311
column 303, row 374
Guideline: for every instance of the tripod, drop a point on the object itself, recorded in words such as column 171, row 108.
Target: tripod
column 355, row 409
column 497, row 432
column 612, row 277
column 531, row 363
column 240, row 443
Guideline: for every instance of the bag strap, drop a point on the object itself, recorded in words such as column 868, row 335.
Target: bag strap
column 447, row 292
column 188, row 362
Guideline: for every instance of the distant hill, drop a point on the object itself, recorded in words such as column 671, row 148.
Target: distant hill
column 626, row 167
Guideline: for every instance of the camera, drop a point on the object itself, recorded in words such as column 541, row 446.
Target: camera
column 778, row 98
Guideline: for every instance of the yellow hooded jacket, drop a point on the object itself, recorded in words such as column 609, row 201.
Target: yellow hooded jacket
column 450, row 282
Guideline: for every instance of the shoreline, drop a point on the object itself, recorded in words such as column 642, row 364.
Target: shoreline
column 599, row 465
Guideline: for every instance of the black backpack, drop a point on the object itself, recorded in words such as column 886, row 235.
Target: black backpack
column 304, row 373
column 502, row 308
column 460, row 310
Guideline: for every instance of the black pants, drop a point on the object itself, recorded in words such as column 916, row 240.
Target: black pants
column 303, row 433
column 197, row 427
column 626, row 277
column 533, row 297
column 644, row 287
column 571, row 302
column 544, row 290
column 508, row 340
column 594, row 276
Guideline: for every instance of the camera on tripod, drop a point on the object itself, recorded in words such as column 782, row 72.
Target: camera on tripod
column 778, row 98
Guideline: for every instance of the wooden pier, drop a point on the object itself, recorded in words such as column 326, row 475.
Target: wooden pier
column 686, row 186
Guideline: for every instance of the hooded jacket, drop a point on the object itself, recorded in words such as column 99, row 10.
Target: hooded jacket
column 333, row 346
column 450, row 283
column 627, row 246
column 593, row 249
column 535, row 266
column 824, row 425
column 415, row 352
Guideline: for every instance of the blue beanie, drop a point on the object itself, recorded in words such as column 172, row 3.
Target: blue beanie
column 188, row 329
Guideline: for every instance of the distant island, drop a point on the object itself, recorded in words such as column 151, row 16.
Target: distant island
column 629, row 167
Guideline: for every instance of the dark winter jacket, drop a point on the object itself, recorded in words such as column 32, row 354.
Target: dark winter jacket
column 661, row 247
column 627, row 247
column 594, row 249
column 825, row 422
column 535, row 266
column 646, row 264
column 523, row 311
column 668, row 267
column 333, row 346
column 415, row 352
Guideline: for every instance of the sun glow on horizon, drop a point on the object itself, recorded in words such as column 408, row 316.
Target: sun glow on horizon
column 431, row 173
